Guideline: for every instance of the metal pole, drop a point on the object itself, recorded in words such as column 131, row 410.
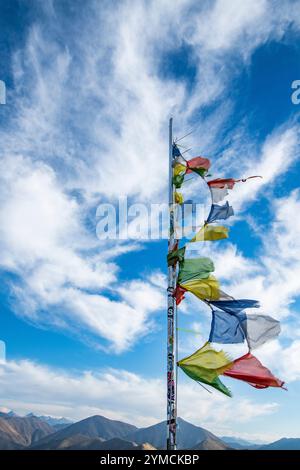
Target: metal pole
column 171, row 365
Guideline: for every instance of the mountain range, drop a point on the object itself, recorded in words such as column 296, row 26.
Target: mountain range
column 100, row 433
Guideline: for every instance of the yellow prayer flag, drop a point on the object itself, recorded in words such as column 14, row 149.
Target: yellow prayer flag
column 204, row 289
column 178, row 198
column 206, row 362
column 211, row 232
column 179, row 169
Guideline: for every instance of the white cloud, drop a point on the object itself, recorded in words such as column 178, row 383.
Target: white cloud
column 57, row 158
column 46, row 245
column 126, row 127
column 228, row 23
column 117, row 394
column 277, row 154
column 284, row 360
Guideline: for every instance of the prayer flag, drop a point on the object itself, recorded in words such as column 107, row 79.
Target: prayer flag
column 179, row 294
column 233, row 325
column 227, row 182
column 259, row 329
column 194, row 268
column 211, row 232
column 226, row 328
column 235, row 306
column 218, row 194
column 179, row 169
column 205, row 365
column 177, row 180
column 249, row 369
column 175, row 256
column 219, row 212
column 205, row 289
column 178, row 198
column 199, row 165
column 176, row 151
column 221, row 183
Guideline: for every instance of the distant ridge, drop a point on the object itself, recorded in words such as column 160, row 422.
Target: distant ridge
column 52, row 421
column 238, row 443
column 283, row 444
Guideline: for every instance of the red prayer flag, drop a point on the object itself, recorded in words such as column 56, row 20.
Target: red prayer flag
column 228, row 182
column 179, row 294
column 197, row 162
column 249, row 369
column 221, row 183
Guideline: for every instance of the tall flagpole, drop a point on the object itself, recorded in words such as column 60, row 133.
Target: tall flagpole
column 171, row 365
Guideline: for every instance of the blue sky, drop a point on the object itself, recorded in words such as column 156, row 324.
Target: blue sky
column 90, row 89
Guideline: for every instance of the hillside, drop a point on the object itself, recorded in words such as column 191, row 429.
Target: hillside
column 17, row 432
column 92, row 427
column 188, row 435
column 111, row 444
column 211, row 444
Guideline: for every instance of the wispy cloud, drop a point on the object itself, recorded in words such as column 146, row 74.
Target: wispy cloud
column 47, row 246
column 89, row 124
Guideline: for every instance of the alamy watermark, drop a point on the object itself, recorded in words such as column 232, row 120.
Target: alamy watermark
column 2, row 92
column 295, row 97
column 141, row 221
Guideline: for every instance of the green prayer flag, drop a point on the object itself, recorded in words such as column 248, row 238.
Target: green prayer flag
column 194, row 268
column 178, row 180
column 205, row 365
column 176, row 255
column 215, row 383
column 200, row 171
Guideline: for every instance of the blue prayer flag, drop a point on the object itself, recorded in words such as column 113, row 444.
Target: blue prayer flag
column 231, row 328
column 226, row 328
column 176, row 151
column 235, row 306
column 219, row 212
